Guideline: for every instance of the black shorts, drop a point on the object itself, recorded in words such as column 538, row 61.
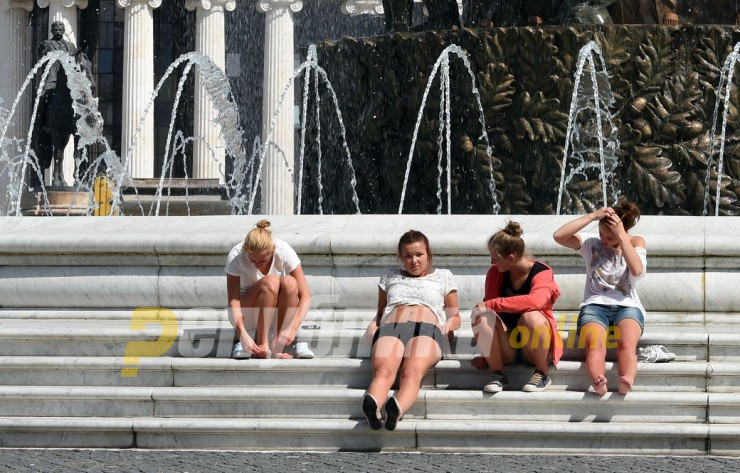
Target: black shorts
column 405, row 331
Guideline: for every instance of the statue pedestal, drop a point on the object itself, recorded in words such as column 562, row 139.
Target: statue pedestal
column 62, row 201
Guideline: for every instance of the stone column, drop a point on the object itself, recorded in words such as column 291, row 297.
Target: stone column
column 210, row 40
column 138, row 84
column 15, row 63
column 277, row 171
column 66, row 12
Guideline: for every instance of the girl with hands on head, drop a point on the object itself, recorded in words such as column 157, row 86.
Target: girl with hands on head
column 417, row 314
column 615, row 263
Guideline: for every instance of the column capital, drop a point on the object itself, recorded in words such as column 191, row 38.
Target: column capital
column 360, row 7
column 81, row 4
column 265, row 6
column 127, row 3
column 6, row 5
column 215, row 5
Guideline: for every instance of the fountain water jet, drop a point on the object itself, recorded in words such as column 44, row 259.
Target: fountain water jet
column 582, row 103
column 725, row 83
column 310, row 64
column 443, row 63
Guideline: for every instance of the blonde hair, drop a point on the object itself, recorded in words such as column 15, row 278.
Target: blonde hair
column 259, row 239
column 507, row 241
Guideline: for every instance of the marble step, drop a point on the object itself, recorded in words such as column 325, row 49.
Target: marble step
column 354, row 435
column 727, row 321
column 723, row 377
column 344, row 403
column 75, row 337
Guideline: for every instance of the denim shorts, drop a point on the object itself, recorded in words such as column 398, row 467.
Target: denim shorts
column 609, row 315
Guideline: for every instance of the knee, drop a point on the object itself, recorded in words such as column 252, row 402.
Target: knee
column 623, row 344
column 384, row 372
column 532, row 320
column 411, row 373
column 270, row 285
column 288, row 285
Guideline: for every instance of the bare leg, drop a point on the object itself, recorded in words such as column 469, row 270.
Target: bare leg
column 594, row 337
column 421, row 354
column 493, row 342
column 538, row 339
column 261, row 299
column 629, row 334
column 386, row 357
column 287, row 304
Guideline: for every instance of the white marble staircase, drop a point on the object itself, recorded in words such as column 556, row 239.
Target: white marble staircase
column 68, row 288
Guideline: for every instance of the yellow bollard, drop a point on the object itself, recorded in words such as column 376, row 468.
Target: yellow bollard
column 103, row 196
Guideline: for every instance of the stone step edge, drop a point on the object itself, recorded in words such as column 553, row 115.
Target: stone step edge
column 351, row 426
column 325, row 364
column 333, row 394
column 314, row 314
column 351, row 334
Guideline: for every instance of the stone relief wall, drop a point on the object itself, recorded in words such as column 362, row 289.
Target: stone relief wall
column 663, row 80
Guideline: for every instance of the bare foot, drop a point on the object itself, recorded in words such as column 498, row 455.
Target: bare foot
column 265, row 353
column 479, row 362
column 600, row 385
column 625, row 385
column 283, row 356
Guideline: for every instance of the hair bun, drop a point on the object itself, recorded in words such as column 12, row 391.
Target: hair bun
column 263, row 224
column 513, row 229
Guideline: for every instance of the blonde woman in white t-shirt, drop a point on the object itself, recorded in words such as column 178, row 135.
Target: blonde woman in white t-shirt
column 264, row 278
column 417, row 312
column 615, row 263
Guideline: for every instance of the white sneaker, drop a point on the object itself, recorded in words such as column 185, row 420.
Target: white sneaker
column 301, row 350
column 238, row 354
column 654, row 354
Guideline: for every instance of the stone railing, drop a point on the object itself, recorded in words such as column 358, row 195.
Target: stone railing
column 177, row 262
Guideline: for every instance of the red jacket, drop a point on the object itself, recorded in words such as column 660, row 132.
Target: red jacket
column 541, row 298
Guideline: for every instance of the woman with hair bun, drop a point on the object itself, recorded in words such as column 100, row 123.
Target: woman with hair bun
column 417, row 312
column 515, row 321
column 264, row 278
column 615, row 263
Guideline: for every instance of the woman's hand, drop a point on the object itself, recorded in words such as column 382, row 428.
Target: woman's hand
column 370, row 332
column 249, row 346
column 284, row 339
column 478, row 311
column 602, row 213
column 615, row 225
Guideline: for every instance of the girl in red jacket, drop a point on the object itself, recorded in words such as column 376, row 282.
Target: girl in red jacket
column 515, row 320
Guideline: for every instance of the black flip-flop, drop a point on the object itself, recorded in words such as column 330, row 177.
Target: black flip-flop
column 370, row 409
column 392, row 413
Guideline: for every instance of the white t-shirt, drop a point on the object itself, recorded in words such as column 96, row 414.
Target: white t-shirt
column 608, row 279
column 284, row 261
column 429, row 291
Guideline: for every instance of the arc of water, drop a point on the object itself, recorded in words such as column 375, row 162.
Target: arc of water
column 320, row 71
column 319, row 180
column 301, row 154
column 585, row 55
column 217, row 86
column 459, row 52
column 440, row 137
column 173, row 116
column 728, row 70
column 49, row 60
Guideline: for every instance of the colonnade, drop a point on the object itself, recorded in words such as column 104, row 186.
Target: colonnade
column 138, row 82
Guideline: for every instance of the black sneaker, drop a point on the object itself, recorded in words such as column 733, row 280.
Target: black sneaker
column 392, row 413
column 498, row 382
column 370, row 409
column 538, row 382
